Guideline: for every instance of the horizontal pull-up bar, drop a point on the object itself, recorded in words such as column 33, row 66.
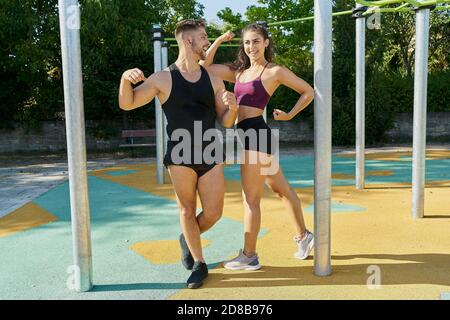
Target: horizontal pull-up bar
column 402, row 8
column 222, row 45
column 210, row 39
column 414, row 3
column 375, row 6
column 379, row 3
column 340, row 13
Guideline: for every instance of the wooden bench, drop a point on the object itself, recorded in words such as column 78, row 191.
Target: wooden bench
column 130, row 136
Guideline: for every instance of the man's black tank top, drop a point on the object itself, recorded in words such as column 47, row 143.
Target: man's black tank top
column 189, row 102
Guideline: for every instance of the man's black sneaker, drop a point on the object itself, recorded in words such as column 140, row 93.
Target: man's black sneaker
column 199, row 273
column 186, row 256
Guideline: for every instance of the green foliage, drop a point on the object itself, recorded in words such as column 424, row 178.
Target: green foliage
column 379, row 108
column 343, row 125
column 344, row 52
column 172, row 11
column 231, row 20
column 438, row 91
column 28, row 52
column 116, row 35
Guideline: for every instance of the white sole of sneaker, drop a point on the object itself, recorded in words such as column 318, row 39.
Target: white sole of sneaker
column 245, row 268
column 310, row 246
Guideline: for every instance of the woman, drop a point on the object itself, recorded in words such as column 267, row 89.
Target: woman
column 256, row 79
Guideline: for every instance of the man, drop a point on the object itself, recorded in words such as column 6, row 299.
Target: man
column 189, row 96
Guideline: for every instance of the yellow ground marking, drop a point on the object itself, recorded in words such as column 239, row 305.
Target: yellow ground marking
column 395, row 155
column 161, row 251
column 344, row 176
column 24, row 218
column 380, row 173
column 372, row 173
column 143, row 179
column 413, row 255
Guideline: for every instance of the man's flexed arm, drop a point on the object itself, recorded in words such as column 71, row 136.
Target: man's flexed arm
column 130, row 98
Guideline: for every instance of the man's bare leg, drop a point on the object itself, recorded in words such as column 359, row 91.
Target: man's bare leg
column 184, row 180
column 211, row 189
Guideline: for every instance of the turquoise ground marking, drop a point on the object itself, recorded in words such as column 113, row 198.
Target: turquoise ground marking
column 35, row 264
column 439, row 171
column 120, row 173
column 337, row 207
column 445, row 296
column 299, row 170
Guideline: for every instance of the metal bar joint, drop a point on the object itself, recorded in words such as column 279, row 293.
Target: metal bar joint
column 358, row 12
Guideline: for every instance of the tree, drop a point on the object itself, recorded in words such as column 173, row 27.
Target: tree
column 115, row 35
column 28, row 52
column 176, row 10
column 232, row 21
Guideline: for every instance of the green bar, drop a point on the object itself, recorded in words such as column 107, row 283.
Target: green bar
column 386, row 10
column 213, row 39
column 426, row 3
column 431, row 2
column 414, row 3
column 340, row 13
column 290, row 21
column 223, row 45
column 378, row 3
column 402, row 6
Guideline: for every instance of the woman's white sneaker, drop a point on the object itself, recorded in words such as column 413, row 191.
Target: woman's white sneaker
column 304, row 245
column 242, row 262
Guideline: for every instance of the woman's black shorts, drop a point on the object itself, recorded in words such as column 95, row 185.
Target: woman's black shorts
column 254, row 134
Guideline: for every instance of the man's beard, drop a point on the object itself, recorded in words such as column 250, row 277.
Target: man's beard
column 198, row 51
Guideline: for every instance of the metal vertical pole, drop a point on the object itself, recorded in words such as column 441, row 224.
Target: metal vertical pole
column 360, row 98
column 165, row 64
column 420, row 112
column 158, row 110
column 69, row 21
column 322, row 136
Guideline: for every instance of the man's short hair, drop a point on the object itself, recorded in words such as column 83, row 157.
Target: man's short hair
column 189, row 25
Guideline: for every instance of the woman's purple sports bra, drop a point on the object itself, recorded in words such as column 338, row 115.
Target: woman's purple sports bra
column 252, row 93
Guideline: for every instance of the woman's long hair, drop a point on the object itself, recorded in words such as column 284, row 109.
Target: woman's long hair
column 242, row 61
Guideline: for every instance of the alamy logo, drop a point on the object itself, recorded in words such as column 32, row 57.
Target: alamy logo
column 73, row 281
column 374, row 21
column 207, row 147
column 73, row 17
column 374, row 280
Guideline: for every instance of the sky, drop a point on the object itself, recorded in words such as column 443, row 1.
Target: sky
column 213, row 6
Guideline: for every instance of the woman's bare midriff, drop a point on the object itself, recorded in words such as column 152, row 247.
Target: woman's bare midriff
column 246, row 112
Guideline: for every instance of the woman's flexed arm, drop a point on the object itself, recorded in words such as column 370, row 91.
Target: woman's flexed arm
column 211, row 52
column 219, row 70
column 288, row 78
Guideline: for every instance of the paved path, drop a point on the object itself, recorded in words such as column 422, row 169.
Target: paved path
column 21, row 184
